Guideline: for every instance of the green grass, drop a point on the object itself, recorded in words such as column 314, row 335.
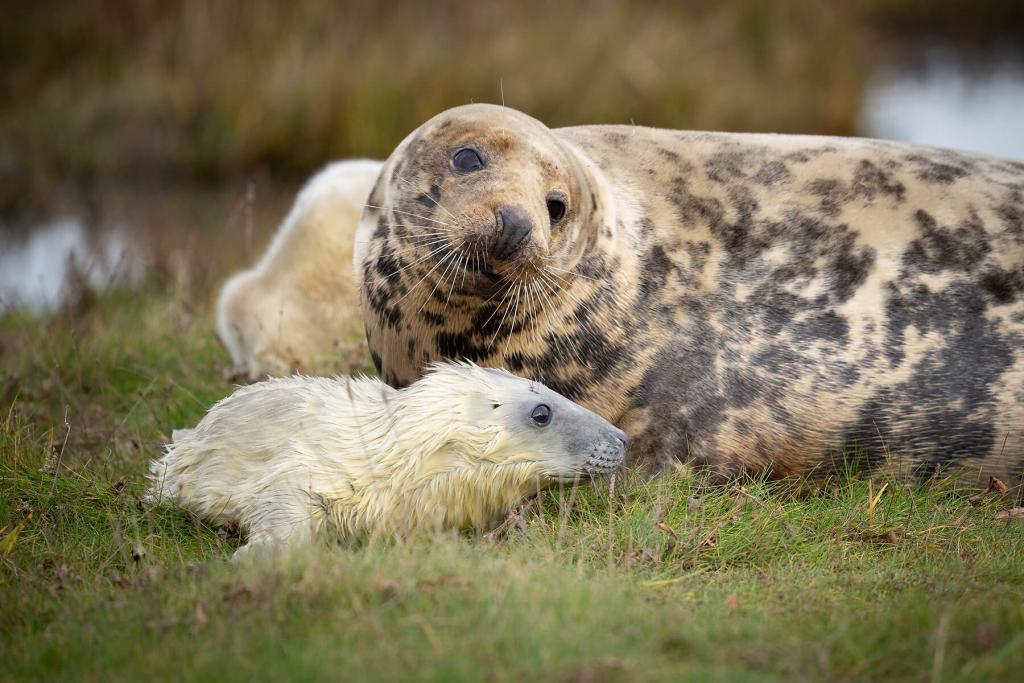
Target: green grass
column 657, row 580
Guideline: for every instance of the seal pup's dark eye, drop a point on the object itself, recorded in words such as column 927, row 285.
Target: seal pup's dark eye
column 556, row 208
column 541, row 415
column 467, row 160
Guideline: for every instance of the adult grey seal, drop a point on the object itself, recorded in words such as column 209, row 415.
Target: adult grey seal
column 743, row 302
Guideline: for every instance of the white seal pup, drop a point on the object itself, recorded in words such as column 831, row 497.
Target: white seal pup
column 299, row 302
column 289, row 459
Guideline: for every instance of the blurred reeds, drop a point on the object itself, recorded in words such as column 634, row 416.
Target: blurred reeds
column 209, row 88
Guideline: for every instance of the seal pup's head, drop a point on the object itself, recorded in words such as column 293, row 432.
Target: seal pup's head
column 480, row 196
column 496, row 420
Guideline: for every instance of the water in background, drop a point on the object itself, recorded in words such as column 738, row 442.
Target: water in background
column 936, row 98
column 39, row 268
column 942, row 99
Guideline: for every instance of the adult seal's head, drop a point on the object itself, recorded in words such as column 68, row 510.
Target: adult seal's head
column 492, row 189
column 476, row 223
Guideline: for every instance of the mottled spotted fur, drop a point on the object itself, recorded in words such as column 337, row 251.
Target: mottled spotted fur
column 744, row 302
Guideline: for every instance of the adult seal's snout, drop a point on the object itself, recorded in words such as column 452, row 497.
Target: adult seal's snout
column 514, row 228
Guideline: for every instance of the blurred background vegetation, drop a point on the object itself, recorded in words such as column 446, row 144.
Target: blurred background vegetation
column 208, row 89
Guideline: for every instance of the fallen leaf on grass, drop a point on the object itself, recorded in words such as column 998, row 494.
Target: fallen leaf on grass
column 118, row 486
column 996, row 486
column 1012, row 513
column 641, row 555
column 883, row 538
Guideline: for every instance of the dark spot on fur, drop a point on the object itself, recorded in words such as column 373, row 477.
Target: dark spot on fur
column 930, row 170
column 832, row 195
column 772, row 173
column 869, row 181
column 654, row 268
column 686, row 403
column 1004, row 286
column 849, row 267
column 939, row 248
column 433, row 318
column 459, row 346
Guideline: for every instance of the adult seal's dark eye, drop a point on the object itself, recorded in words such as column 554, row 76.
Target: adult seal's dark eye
column 556, row 209
column 541, row 415
column 467, row 160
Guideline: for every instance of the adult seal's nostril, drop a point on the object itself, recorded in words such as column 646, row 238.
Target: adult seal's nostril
column 514, row 228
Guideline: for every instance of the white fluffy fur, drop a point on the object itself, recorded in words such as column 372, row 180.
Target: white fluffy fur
column 286, row 458
column 295, row 306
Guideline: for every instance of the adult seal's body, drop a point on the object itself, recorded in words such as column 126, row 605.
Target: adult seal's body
column 740, row 301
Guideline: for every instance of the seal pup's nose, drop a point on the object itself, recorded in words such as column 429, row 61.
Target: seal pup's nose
column 514, row 227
